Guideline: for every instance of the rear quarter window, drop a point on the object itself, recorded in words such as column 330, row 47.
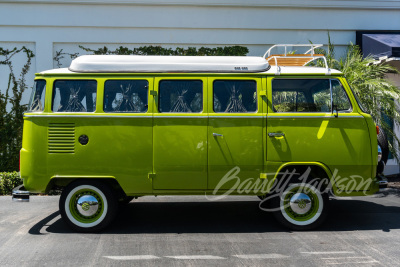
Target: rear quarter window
column 74, row 96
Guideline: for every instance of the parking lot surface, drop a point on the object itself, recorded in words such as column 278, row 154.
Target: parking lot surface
column 182, row 231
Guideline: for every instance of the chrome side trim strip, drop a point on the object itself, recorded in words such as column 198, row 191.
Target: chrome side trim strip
column 314, row 117
column 87, row 116
column 181, row 117
column 237, row 117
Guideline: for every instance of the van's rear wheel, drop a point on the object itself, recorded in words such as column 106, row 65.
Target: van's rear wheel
column 301, row 206
column 88, row 206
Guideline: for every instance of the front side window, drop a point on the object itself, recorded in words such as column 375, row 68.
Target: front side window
column 36, row 103
column 301, row 95
column 74, row 96
column 339, row 96
column 181, row 96
column 235, row 96
column 125, row 96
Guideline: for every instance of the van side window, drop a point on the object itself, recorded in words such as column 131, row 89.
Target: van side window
column 125, row 96
column 339, row 96
column 74, row 96
column 36, row 103
column 182, row 96
column 235, row 96
column 301, row 95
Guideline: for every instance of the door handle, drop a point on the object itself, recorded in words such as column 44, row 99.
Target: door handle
column 217, row 134
column 276, row 134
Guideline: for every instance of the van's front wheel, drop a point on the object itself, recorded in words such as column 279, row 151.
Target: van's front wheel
column 301, row 206
column 88, row 206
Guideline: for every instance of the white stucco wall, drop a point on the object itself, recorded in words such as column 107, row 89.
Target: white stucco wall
column 257, row 24
column 18, row 61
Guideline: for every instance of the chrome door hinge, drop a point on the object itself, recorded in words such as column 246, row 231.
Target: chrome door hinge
column 153, row 93
column 263, row 93
column 151, row 175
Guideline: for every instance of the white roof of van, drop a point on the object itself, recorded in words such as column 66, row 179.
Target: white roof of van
column 153, row 64
column 181, row 64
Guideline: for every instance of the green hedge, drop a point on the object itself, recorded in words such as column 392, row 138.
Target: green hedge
column 158, row 50
column 8, row 181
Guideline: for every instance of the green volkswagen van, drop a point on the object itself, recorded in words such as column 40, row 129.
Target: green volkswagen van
column 111, row 128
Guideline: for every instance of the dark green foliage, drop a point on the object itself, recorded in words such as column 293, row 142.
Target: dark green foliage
column 11, row 109
column 179, row 51
column 158, row 50
column 377, row 94
column 8, row 181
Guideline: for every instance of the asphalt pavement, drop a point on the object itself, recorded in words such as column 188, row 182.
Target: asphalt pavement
column 193, row 231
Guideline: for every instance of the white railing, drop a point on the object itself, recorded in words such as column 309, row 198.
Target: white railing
column 308, row 54
column 311, row 50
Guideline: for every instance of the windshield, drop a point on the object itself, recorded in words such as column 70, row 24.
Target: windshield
column 36, row 103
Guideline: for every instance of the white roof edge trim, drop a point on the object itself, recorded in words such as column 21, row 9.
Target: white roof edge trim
column 126, row 64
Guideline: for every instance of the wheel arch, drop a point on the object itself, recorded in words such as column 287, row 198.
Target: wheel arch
column 59, row 182
column 318, row 170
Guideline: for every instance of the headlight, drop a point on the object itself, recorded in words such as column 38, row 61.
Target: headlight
column 379, row 153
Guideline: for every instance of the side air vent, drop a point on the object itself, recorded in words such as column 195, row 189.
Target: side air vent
column 61, row 137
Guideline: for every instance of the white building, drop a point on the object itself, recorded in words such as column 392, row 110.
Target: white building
column 47, row 26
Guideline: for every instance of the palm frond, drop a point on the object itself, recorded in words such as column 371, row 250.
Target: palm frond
column 376, row 93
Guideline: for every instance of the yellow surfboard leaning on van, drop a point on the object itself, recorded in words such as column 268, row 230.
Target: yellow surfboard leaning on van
column 111, row 128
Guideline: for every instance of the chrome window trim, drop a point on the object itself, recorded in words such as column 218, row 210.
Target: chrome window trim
column 183, row 116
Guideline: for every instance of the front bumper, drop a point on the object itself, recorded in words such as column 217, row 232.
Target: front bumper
column 19, row 194
column 382, row 181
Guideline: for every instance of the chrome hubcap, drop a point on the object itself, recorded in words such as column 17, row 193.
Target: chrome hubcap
column 300, row 203
column 87, row 205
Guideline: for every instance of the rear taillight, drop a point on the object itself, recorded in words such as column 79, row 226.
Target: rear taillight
column 20, row 160
column 377, row 130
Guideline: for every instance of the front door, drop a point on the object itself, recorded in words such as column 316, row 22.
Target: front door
column 180, row 134
column 302, row 128
column 235, row 131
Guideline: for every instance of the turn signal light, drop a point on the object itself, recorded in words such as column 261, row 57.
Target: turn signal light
column 377, row 130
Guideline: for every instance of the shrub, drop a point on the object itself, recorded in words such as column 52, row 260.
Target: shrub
column 157, row 50
column 11, row 109
column 8, row 181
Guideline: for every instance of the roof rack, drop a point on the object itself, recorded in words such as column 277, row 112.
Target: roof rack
column 294, row 59
column 165, row 64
